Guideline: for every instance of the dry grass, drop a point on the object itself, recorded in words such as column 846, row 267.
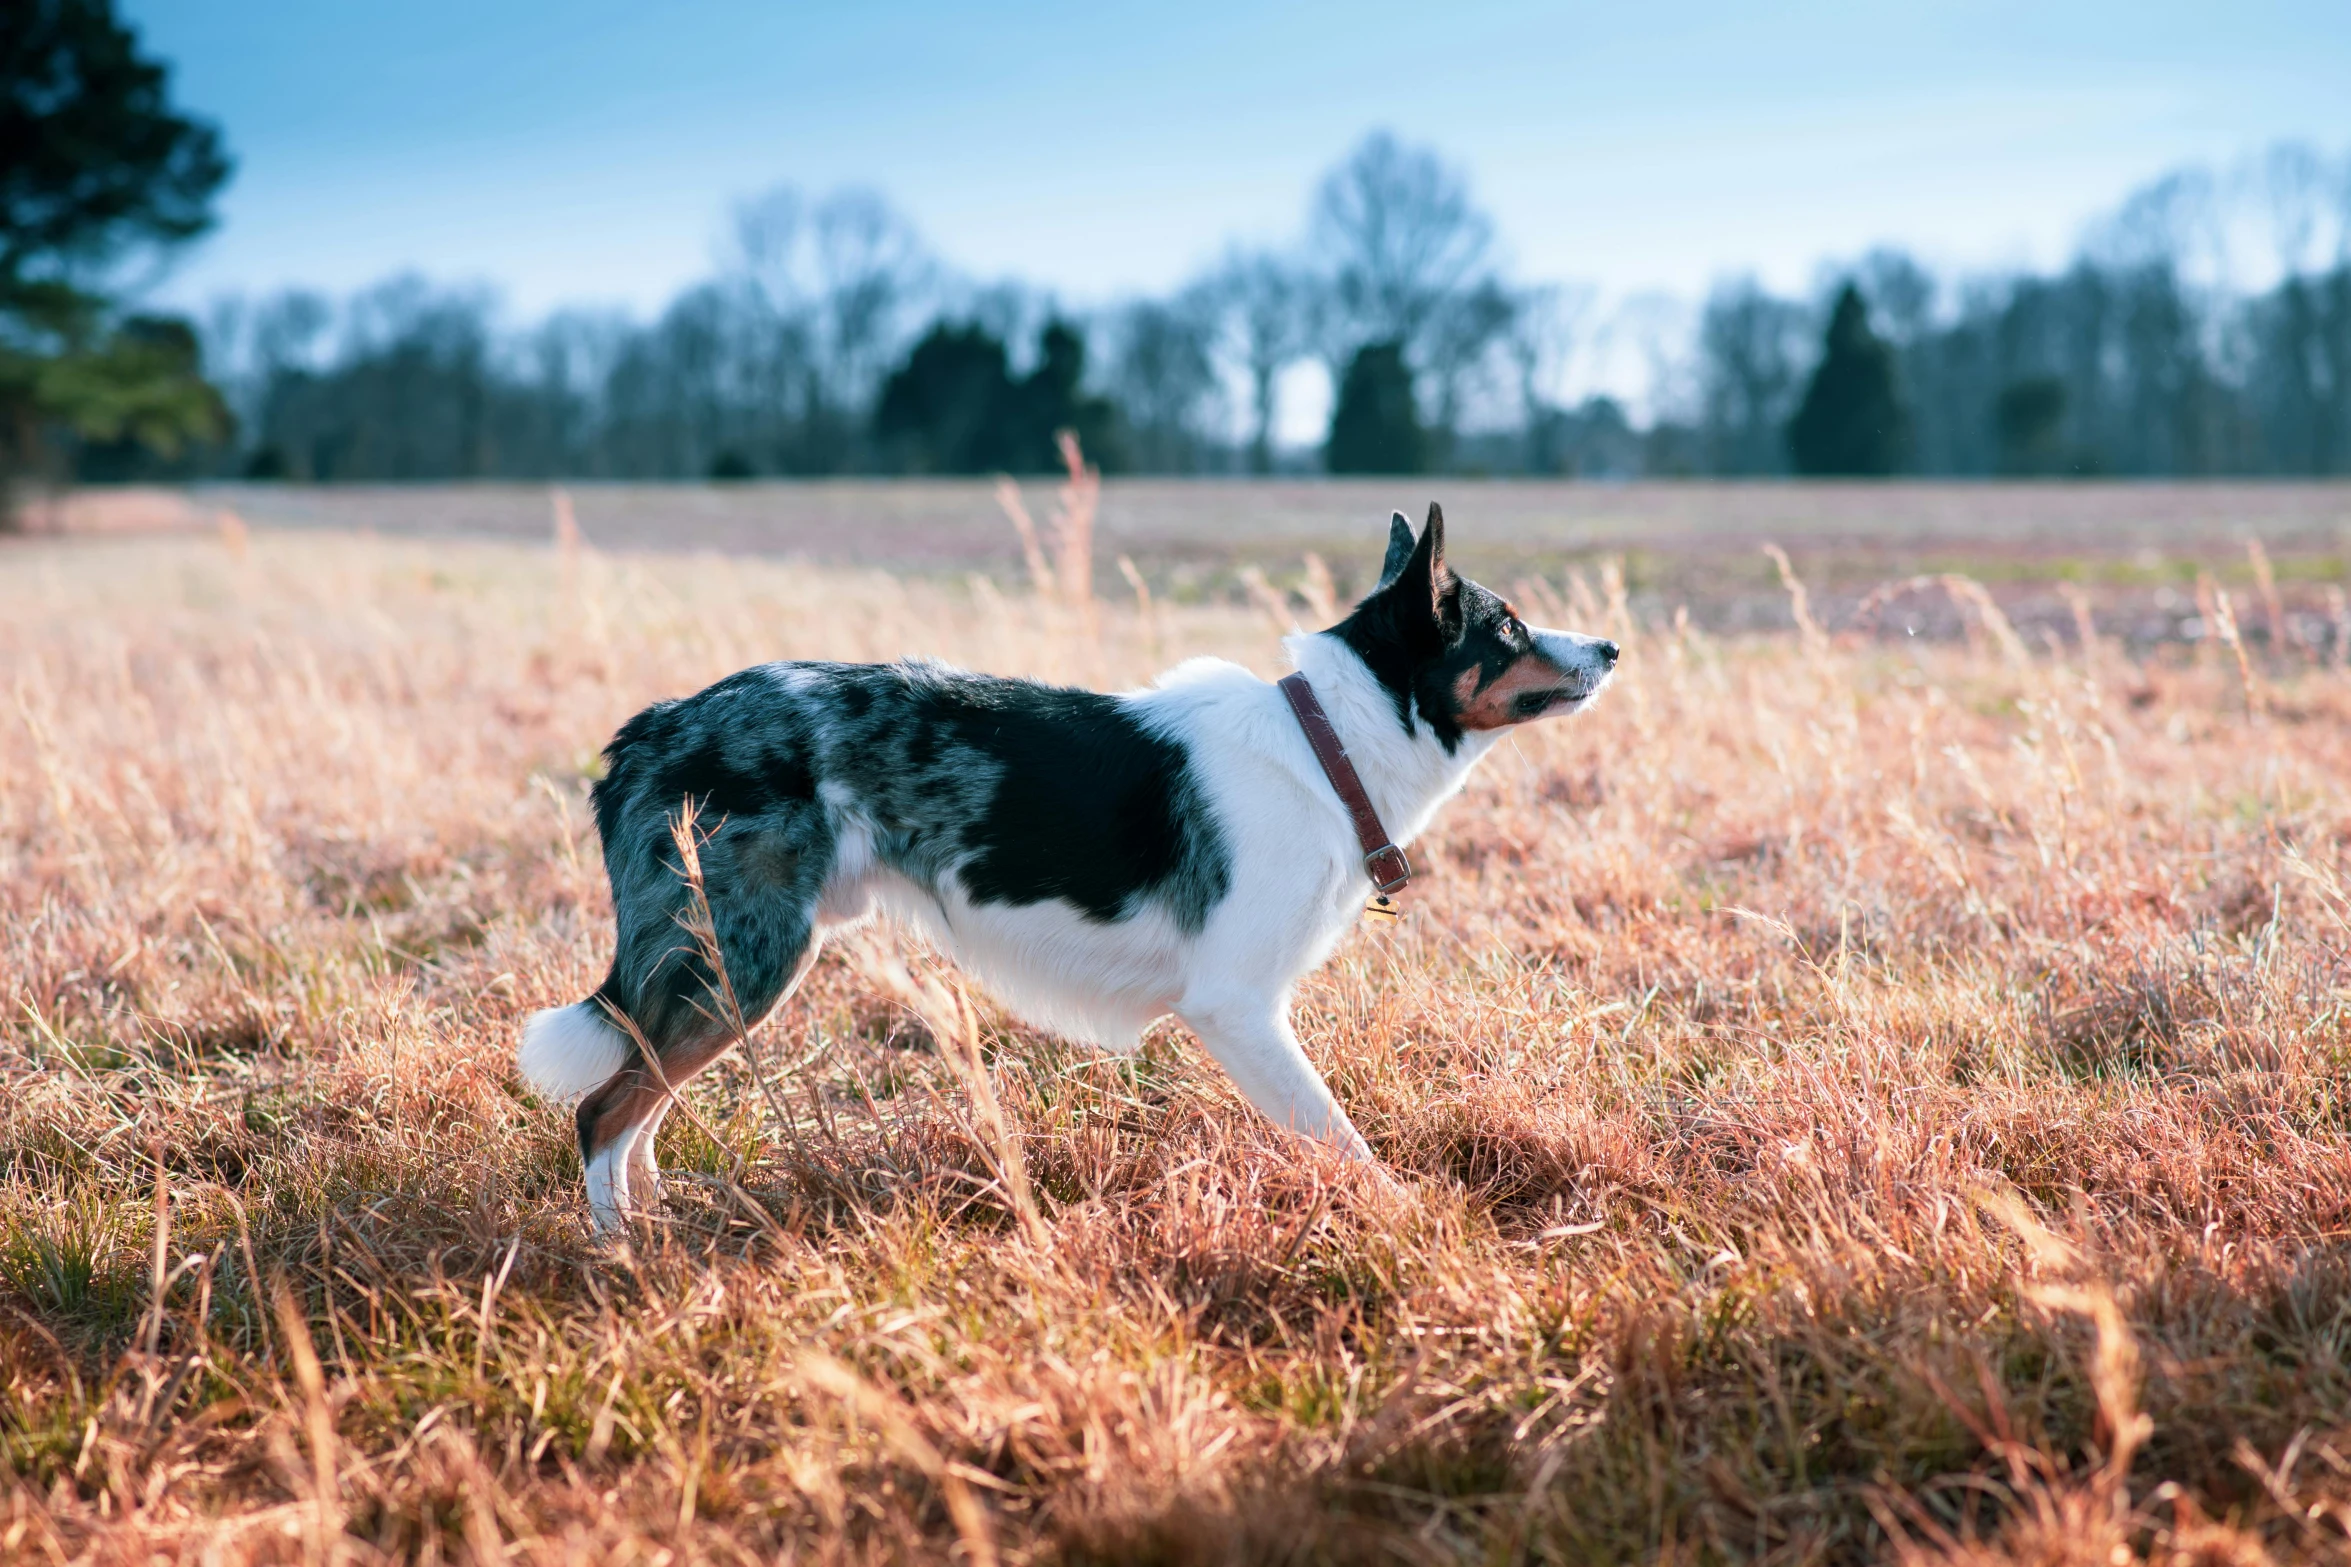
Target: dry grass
column 1854, row 1102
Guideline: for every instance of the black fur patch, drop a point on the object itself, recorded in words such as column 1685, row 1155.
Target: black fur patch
column 1024, row 792
column 1089, row 807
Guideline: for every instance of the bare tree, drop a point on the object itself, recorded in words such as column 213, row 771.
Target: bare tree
column 1163, row 379
column 2178, row 221
column 1011, row 311
column 2303, row 328
column 1401, row 238
column 1655, row 331
column 1901, row 293
column 1458, row 352
column 1264, row 304
column 1752, row 350
column 2291, row 183
column 830, row 288
column 750, row 338
column 290, row 329
column 768, row 247
column 1546, row 329
column 872, row 269
column 566, row 363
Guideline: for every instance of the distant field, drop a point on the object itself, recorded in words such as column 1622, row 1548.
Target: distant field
column 1854, row 1101
column 2135, row 549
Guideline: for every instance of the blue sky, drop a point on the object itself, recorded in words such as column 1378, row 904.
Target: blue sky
column 588, row 151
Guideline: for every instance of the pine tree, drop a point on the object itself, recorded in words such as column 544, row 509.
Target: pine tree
column 1851, row 422
column 955, row 406
column 943, row 411
column 2028, row 418
column 1375, row 427
column 97, row 166
column 1052, row 398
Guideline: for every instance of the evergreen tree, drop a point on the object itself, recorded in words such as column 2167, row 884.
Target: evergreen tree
column 1052, row 398
column 955, row 407
column 1375, row 427
column 140, row 396
column 2028, row 420
column 95, row 165
column 943, row 411
column 1851, row 422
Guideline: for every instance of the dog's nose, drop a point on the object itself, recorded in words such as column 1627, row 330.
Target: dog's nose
column 1607, row 652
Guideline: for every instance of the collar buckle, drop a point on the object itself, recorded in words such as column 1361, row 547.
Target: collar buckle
column 1388, row 867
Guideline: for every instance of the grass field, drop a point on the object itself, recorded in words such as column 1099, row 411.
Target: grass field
column 2139, row 547
column 1854, row 1099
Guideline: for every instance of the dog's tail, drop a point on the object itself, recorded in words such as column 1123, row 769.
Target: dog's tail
column 570, row 1051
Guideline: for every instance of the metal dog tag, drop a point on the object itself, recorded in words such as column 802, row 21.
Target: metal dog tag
column 1382, row 909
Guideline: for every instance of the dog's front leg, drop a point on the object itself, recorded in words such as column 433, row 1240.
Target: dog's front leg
column 1255, row 1045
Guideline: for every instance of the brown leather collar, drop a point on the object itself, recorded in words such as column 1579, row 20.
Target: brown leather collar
column 1382, row 860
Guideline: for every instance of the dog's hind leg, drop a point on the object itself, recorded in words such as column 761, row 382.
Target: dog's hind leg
column 644, row 1169
column 761, row 876
column 618, row 1121
column 1252, row 1040
column 689, row 1013
column 616, row 1125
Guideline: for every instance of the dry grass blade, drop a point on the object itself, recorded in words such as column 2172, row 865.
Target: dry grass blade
column 1272, row 601
column 326, row 1519
column 1073, row 529
column 889, row 1416
column 1041, row 575
column 2265, row 579
column 2220, row 615
column 1799, row 601
column 944, row 1004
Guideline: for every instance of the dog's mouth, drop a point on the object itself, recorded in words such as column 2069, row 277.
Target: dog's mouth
column 1554, row 699
column 1558, row 699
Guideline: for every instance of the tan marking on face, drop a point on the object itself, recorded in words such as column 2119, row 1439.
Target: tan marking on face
column 1495, row 707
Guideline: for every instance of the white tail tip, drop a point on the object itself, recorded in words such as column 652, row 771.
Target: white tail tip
column 570, row 1051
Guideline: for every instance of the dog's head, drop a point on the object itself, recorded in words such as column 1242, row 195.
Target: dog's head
column 1457, row 656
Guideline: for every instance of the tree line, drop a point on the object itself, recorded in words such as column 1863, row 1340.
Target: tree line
column 830, row 339
column 2143, row 358
column 834, row 342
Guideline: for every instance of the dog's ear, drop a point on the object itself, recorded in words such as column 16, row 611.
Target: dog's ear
column 1399, row 548
column 1424, row 589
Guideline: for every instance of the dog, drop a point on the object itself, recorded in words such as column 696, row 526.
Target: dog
column 1098, row 861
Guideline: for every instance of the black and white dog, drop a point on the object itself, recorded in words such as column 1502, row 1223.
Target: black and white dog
column 1100, row 861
